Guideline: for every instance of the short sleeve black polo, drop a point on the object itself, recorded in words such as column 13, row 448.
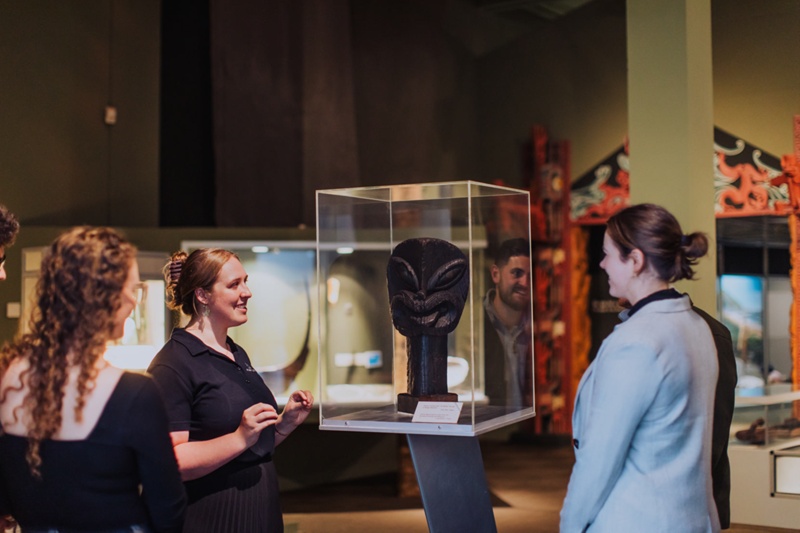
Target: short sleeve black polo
column 205, row 392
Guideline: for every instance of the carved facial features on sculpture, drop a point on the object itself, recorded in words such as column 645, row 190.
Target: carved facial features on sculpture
column 428, row 283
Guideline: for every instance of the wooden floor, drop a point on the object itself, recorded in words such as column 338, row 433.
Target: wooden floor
column 527, row 482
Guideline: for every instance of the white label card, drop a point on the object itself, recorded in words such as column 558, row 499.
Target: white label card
column 438, row 412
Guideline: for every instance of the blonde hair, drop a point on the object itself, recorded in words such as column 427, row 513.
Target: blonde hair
column 77, row 297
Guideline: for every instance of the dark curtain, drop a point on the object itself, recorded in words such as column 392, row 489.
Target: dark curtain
column 311, row 94
column 186, row 163
column 284, row 123
column 257, row 91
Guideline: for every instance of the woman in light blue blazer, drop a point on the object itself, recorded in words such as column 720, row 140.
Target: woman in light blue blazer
column 643, row 412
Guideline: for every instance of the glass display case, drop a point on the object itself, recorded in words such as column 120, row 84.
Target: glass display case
column 394, row 356
column 764, row 454
column 756, row 311
column 147, row 327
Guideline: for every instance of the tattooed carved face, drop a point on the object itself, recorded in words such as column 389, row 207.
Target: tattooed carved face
column 428, row 285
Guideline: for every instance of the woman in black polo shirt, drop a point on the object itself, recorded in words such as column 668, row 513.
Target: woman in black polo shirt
column 224, row 421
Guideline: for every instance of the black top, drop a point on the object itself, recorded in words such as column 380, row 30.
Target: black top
column 205, row 392
column 723, row 415
column 93, row 484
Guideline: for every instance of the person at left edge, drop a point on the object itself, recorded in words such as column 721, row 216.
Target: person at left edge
column 9, row 227
column 224, row 421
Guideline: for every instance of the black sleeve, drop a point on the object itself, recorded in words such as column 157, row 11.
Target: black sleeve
column 176, row 394
column 5, row 507
column 162, row 488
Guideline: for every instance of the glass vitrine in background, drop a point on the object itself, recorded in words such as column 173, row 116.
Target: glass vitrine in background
column 145, row 329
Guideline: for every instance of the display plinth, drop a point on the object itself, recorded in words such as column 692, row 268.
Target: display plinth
column 427, row 366
column 371, row 376
column 452, row 483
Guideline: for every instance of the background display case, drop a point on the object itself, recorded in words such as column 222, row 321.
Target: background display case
column 769, row 420
column 765, row 459
column 362, row 357
column 755, row 309
column 145, row 329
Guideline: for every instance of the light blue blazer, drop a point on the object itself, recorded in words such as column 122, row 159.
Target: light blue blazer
column 642, row 427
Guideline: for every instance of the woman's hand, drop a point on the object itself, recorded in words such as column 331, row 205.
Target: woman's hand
column 254, row 419
column 296, row 411
column 199, row 458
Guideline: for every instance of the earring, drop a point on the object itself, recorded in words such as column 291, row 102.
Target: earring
column 206, row 311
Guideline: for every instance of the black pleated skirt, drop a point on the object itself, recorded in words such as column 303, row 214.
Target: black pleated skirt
column 236, row 499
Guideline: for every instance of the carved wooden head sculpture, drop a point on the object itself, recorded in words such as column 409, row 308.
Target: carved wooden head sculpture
column 428, row 283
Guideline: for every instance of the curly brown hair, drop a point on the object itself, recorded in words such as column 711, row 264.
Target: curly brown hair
column 77, row 296
column 9, row 226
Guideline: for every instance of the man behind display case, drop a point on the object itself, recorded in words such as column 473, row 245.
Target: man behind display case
column 9, row 227
column 508, row 341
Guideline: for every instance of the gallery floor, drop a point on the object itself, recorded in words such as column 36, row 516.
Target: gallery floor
column 527, row 482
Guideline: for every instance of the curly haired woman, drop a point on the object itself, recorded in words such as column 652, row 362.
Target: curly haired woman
column 9, row 226
column 80, row 437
